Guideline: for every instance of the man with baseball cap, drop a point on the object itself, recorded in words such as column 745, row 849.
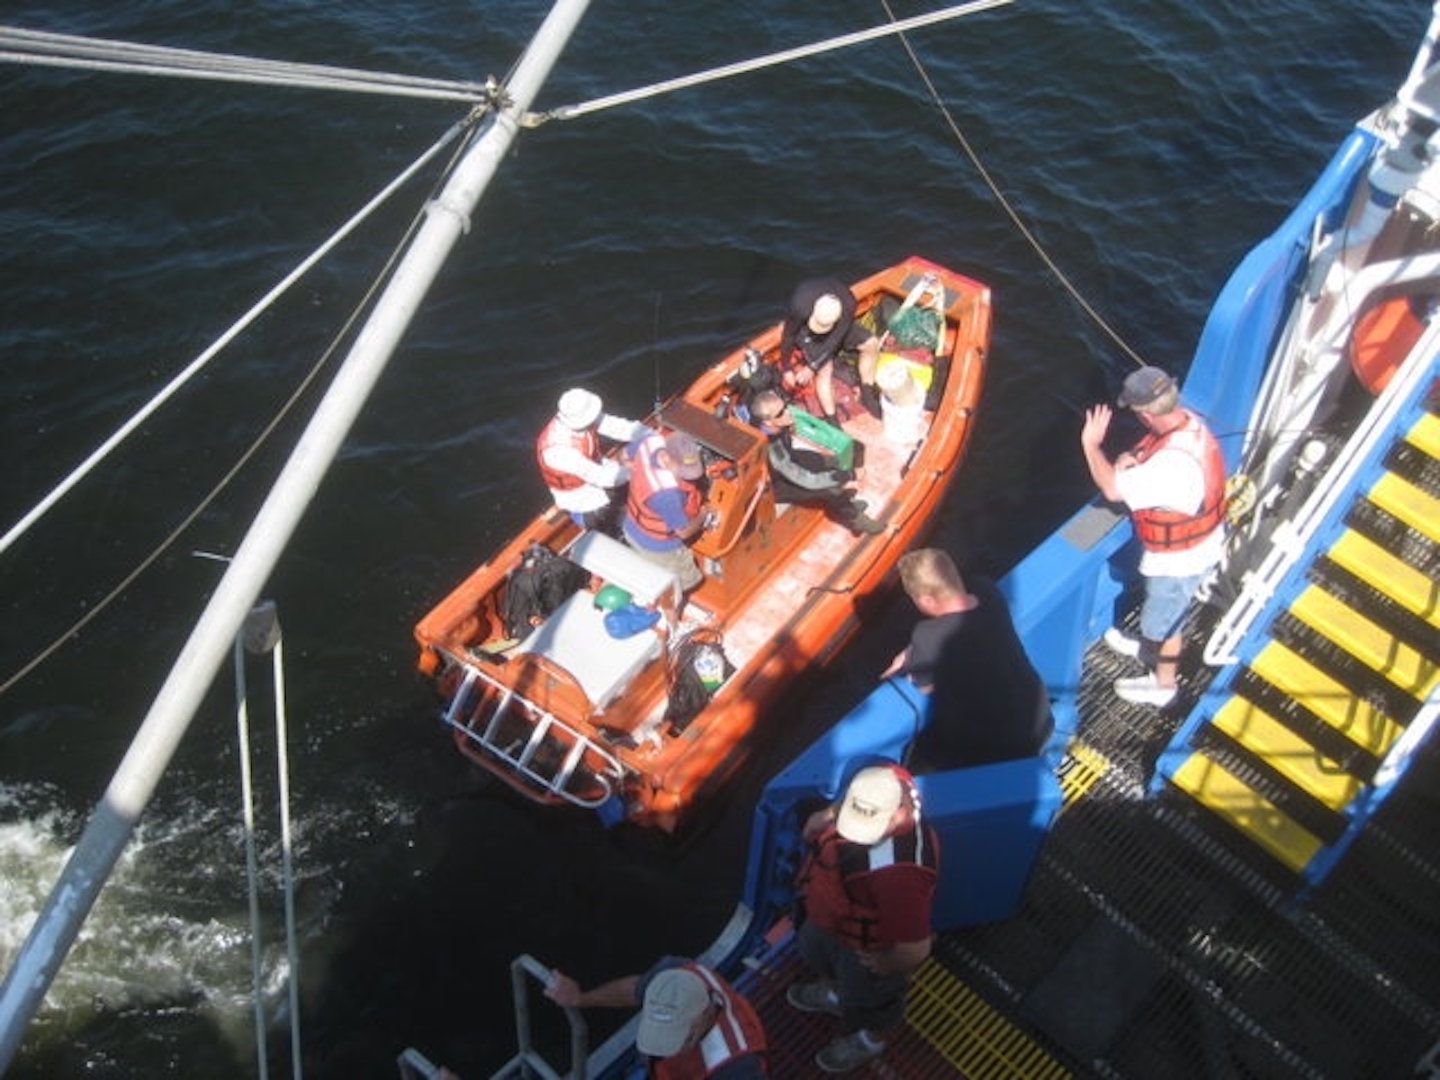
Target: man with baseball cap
column 692, row 1024
column 866, row 891
column 1173, row 484
column 819, row 326
column 665, row 509
column 581, row 480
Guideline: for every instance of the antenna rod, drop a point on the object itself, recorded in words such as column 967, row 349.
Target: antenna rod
column 114, row 818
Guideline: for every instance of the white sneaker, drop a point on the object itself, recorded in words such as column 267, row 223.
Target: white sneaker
column 1120, row 642
column 848, row 1052
column 1144, row 690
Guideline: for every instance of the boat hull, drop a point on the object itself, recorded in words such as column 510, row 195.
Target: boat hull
column 784, row 590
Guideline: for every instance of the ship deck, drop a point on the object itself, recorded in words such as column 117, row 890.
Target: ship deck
column 1219, row 898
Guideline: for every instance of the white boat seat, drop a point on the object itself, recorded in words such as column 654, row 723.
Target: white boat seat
column 575, row 638
column 609, row 559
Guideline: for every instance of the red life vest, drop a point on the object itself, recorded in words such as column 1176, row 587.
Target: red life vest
column 556, row 434
column 647, row 478
column 1171, row 530
column 835, row 881
column 737, row 1031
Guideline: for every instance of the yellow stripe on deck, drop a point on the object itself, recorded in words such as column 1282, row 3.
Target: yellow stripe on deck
column 1379, row 649
column 1287, row 753
column 1425, row 435
column 979, row 1042
column 1247, row 810
column 1354, row 717
column 1079, row 771
column 1414, row 506
column 1407, row 586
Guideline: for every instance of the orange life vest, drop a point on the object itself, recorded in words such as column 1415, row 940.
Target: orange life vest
column 556, row 434
column 737, row 1031
column 646, row 478
column 1171, row 530
column 834, row 881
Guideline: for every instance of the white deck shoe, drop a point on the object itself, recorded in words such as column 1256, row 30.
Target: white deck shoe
column 1144, row 690
column 1120, row 642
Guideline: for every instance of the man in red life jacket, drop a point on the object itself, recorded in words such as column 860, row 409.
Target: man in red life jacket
column 665, row 509
column 866, row 889
column 582, row 482
column 693, row 1024
column 820, row 325
column 1173, row 484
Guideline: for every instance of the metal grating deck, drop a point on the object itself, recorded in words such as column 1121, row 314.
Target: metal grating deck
column 1166, row 935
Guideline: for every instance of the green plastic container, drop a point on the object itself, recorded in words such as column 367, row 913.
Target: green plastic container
column 827, row 437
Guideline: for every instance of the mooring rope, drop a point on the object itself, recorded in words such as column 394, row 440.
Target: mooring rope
column 1005, row 203
column 99, row 54
column 570, row 112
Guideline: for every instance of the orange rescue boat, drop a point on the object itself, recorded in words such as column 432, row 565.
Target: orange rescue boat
column 571, row 715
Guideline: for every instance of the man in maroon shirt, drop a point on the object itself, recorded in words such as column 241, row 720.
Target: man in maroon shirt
column 866, row 890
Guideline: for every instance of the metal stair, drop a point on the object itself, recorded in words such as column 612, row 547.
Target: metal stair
column 1299, row 745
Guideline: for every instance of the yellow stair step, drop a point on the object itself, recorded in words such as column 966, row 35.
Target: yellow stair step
column 1287, row 753
column 1414, row 506
column 1379, row 649
column 1353, row 717
column 1425, row 434
column 1225, row 794
column 1412, row 589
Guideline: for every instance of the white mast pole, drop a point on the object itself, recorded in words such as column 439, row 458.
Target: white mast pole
column 114, row 818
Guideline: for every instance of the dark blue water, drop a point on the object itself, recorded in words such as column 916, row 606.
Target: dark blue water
column 1147, row 144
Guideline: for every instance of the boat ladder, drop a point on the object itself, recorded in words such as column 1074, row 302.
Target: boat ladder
column 548, row 758
column 1301, row 743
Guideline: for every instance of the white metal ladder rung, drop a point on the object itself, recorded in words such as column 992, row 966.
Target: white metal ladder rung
column 462, row 695
column 546, row 726
column 533, row 743
column 571, row 762
column 501, row 707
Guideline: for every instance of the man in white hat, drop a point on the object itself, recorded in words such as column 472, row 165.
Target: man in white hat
column 582, row 481
column 866, row 889
column 693, row 1024
column 819, row 326
column 1173, row 484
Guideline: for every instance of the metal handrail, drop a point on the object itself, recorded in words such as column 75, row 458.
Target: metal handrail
column 1290, row 544
column 527, row 1060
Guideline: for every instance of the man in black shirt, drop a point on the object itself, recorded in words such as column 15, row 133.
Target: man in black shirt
column 819, row 326
column 987, row 703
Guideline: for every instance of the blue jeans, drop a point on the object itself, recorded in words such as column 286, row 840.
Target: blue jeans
column 1167, row 599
